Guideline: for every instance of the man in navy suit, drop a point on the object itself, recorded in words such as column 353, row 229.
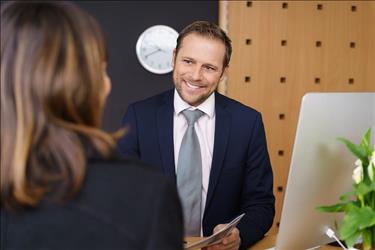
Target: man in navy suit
column 236, row 170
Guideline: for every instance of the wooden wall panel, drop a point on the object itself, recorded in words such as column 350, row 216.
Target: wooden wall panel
column 284, row 49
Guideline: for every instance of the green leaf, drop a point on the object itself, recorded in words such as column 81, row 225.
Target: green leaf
column 363, row 188
column 357, row 150
column 357, row 220
column 340, row 207
column 345, row 196
column 365, row 143
column 351, row 240
column 367, row 217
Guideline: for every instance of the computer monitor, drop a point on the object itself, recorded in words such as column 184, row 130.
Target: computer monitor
column 321, row 166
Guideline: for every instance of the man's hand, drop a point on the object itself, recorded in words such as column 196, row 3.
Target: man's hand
column 231, row 242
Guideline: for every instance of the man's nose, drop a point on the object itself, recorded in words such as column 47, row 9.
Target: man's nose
column 197, row 73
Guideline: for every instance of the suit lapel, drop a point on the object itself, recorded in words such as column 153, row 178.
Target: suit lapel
column 222, row 131
column 164, row 118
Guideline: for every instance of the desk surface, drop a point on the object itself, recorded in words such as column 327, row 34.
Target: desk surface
column 266, row 243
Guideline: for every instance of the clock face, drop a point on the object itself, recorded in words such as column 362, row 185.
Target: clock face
column 155, row 48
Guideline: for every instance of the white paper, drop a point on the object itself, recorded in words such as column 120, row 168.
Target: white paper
column 216, row 237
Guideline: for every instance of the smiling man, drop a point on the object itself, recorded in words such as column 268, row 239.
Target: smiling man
column 214, row 148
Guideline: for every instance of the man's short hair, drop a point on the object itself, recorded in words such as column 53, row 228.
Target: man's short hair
column 210, row 30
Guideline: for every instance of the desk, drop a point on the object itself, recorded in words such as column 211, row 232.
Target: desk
column 267, row 242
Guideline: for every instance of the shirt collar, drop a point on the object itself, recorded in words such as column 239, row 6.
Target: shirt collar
column 208, row 106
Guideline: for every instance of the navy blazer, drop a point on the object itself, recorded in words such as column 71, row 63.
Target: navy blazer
column 241, row 175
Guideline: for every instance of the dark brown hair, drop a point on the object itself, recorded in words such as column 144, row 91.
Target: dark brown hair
column 210, row 30
column 52, row 57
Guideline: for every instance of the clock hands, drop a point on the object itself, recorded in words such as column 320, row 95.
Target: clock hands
column 151, row 53
column 154, row 51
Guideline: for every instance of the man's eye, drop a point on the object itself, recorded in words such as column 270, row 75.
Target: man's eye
column 187, row 61
column 210, row 68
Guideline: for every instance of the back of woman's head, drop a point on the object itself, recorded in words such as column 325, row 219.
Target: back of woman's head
column 52, row 63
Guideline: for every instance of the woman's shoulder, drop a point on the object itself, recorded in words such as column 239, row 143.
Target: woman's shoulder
column 118, row 199
column 126, row 178
column 122, row 168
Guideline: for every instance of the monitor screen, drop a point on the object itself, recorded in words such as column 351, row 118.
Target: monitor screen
column 321, row 166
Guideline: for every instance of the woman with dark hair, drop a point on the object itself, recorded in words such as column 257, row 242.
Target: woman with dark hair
column 62, row 187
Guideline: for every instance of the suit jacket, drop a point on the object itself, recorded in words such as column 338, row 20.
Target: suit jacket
column 112, row 211
column 241, row 175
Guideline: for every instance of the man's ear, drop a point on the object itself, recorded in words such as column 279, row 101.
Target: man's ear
column 224, row 74
column 174, row 58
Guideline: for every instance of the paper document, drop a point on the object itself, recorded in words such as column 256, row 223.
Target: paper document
column 216, row 237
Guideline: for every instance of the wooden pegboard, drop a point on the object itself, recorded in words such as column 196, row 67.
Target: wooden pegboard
column 284, row 49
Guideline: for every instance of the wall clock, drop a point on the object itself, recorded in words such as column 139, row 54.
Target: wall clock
column 155, row 48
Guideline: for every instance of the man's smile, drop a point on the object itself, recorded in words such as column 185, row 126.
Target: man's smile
column 192, row 85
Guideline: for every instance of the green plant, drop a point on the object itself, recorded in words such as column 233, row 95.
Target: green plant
column 359, row 204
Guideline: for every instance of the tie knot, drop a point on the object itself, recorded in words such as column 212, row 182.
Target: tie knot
column 192, row 115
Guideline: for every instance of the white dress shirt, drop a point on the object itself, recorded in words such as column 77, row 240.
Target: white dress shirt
column 205, row 129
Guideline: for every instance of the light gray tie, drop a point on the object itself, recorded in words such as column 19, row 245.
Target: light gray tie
column 189, row 175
